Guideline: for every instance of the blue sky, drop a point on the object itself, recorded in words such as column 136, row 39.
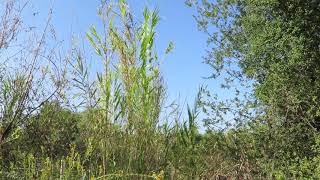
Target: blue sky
column 183, row 69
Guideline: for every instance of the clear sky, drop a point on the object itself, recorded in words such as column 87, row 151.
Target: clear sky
column 183, row 69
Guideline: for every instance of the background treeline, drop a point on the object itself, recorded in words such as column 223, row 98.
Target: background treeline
column 60, row 119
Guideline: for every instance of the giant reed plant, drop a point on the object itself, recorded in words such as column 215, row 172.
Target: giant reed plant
column 126, row 134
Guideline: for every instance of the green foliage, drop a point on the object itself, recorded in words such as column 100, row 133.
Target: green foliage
column 275, row 44
column 113, row 125
column 51, row 133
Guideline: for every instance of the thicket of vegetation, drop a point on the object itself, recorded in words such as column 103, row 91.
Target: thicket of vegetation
column 62, row 119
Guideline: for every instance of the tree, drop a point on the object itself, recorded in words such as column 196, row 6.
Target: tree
column 53, row 132
column 275, row 43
